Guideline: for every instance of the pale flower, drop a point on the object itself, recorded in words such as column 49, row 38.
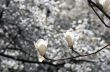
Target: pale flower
column 41, row 47
column 69, row 38
column 105, row 4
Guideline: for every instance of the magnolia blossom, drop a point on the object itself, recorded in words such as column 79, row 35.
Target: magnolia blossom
column 69, row 38
column 100, row 2
column 41, row 47
column 105, row 4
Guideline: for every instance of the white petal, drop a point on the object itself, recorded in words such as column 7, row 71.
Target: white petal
column 69, row 38
column 41, row 58
column 41, row 46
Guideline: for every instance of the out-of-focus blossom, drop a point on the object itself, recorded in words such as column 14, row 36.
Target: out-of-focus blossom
column 69, row 38
column 41, row 47
column 105, row 4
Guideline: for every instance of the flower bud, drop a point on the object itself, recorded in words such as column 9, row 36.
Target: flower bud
column 69, row 38
column 41, row 47
column 99, row 3
column 106, row 5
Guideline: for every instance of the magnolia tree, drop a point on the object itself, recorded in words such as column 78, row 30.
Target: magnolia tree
column 39, row 35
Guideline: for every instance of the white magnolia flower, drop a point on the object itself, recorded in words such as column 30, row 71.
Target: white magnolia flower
column 100, row 1
column 69, row 38
column 41, row 47
column 105, row 4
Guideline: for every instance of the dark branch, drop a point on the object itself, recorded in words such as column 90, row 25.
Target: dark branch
column 31, row 61
column 81, row 55
column 91, row 3
column 74, row 51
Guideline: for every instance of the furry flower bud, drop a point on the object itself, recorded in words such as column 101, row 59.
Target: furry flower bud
column 41, row 47
column 104, row 4
column 69, row 38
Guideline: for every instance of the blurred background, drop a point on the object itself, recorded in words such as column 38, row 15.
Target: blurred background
column 23, row 22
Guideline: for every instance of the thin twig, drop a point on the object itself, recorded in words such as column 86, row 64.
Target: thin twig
column 31, row 61
column 81, row 55
column 92, row 3
column 74, row 51
column 93, row 52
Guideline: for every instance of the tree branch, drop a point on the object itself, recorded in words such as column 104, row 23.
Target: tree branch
column 92, row 3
